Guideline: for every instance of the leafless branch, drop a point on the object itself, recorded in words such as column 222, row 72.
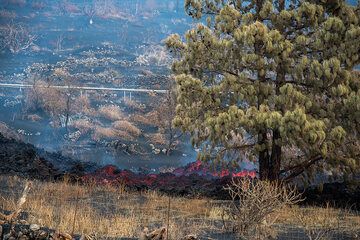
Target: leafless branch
column 16, row 38
column 253, row 202
column 19, row 205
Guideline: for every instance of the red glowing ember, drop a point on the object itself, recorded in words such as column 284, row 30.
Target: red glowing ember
column 182, row 180
column 202, row 169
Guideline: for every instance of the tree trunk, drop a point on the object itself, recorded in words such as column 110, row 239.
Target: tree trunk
column 67, row 112
column 263, row 157
column 269, row 164
column 275, row 159
column 67, row 120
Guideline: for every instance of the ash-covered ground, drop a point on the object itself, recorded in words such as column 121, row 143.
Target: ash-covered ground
column 117, row 44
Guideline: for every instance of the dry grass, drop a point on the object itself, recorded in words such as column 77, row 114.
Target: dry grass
column 321, row 222
column 127, row 126
column 83, row 104
column 84, row 126
column 111, row 133
column 19, row 3
column 34, row 117
column 102, row 132
column 111, row 112
column 105, row 210
column 7, row 14
column 157, row 138
column 7, row 132
column 134, row 105
column 141, row 119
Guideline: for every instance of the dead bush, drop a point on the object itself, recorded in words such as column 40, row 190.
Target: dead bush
column 157, row 138
column 38, row 5
column 83, row 104
column 66, row 7
column 101, row 133
column 52, row 100
column 61, row 72
column 84, row 126
column 7, row 14
column 124, row 135
column 7, row 132
column 111, row 112
column 255, row 206
column 133, row 105
column 141, row 119
column 16, row 37
column 19, row 3
column 33, row 117
column 127, row 126
column 162, row 117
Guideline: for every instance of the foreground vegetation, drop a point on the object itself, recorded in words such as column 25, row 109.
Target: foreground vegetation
column 107, row 211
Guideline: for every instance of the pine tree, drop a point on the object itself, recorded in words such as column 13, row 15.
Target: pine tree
column 273, row 82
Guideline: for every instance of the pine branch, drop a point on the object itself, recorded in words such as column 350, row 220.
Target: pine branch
column 300, row 168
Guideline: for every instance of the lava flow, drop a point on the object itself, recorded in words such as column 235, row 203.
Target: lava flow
column 193, row 177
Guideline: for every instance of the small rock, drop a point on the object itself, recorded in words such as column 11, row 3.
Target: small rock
column 24, row 222
column 7, row 236
column 42, row 235
column 23, row 237
column 190, row 237
column 85, row 237
column 34, row 227
column 25, row 231
column 157, row 151
column 35, row 48
column 66, row 236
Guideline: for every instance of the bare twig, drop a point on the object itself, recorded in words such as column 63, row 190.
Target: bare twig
column 157, row 234
column 254, row 201
column 20, row 203
column 16, row 38
column 168, row 219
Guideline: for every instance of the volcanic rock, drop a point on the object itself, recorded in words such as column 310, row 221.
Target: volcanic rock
column 170, row 183
column 34, row 227
column 33, row 232
column 339, row 194
column 25, row 160
column 21, row 159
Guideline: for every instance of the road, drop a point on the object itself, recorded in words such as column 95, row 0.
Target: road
column 16, row 85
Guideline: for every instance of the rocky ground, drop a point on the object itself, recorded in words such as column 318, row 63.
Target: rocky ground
column 22, row 159
column 26, row 232
column 35, row 232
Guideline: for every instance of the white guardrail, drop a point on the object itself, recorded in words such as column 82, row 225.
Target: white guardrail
column 16, row 85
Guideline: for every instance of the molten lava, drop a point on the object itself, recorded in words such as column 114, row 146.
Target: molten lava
column 194, row 176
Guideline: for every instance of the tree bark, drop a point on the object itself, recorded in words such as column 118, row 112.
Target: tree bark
column 275, row 160
column 67, row 112
column 263, row 157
